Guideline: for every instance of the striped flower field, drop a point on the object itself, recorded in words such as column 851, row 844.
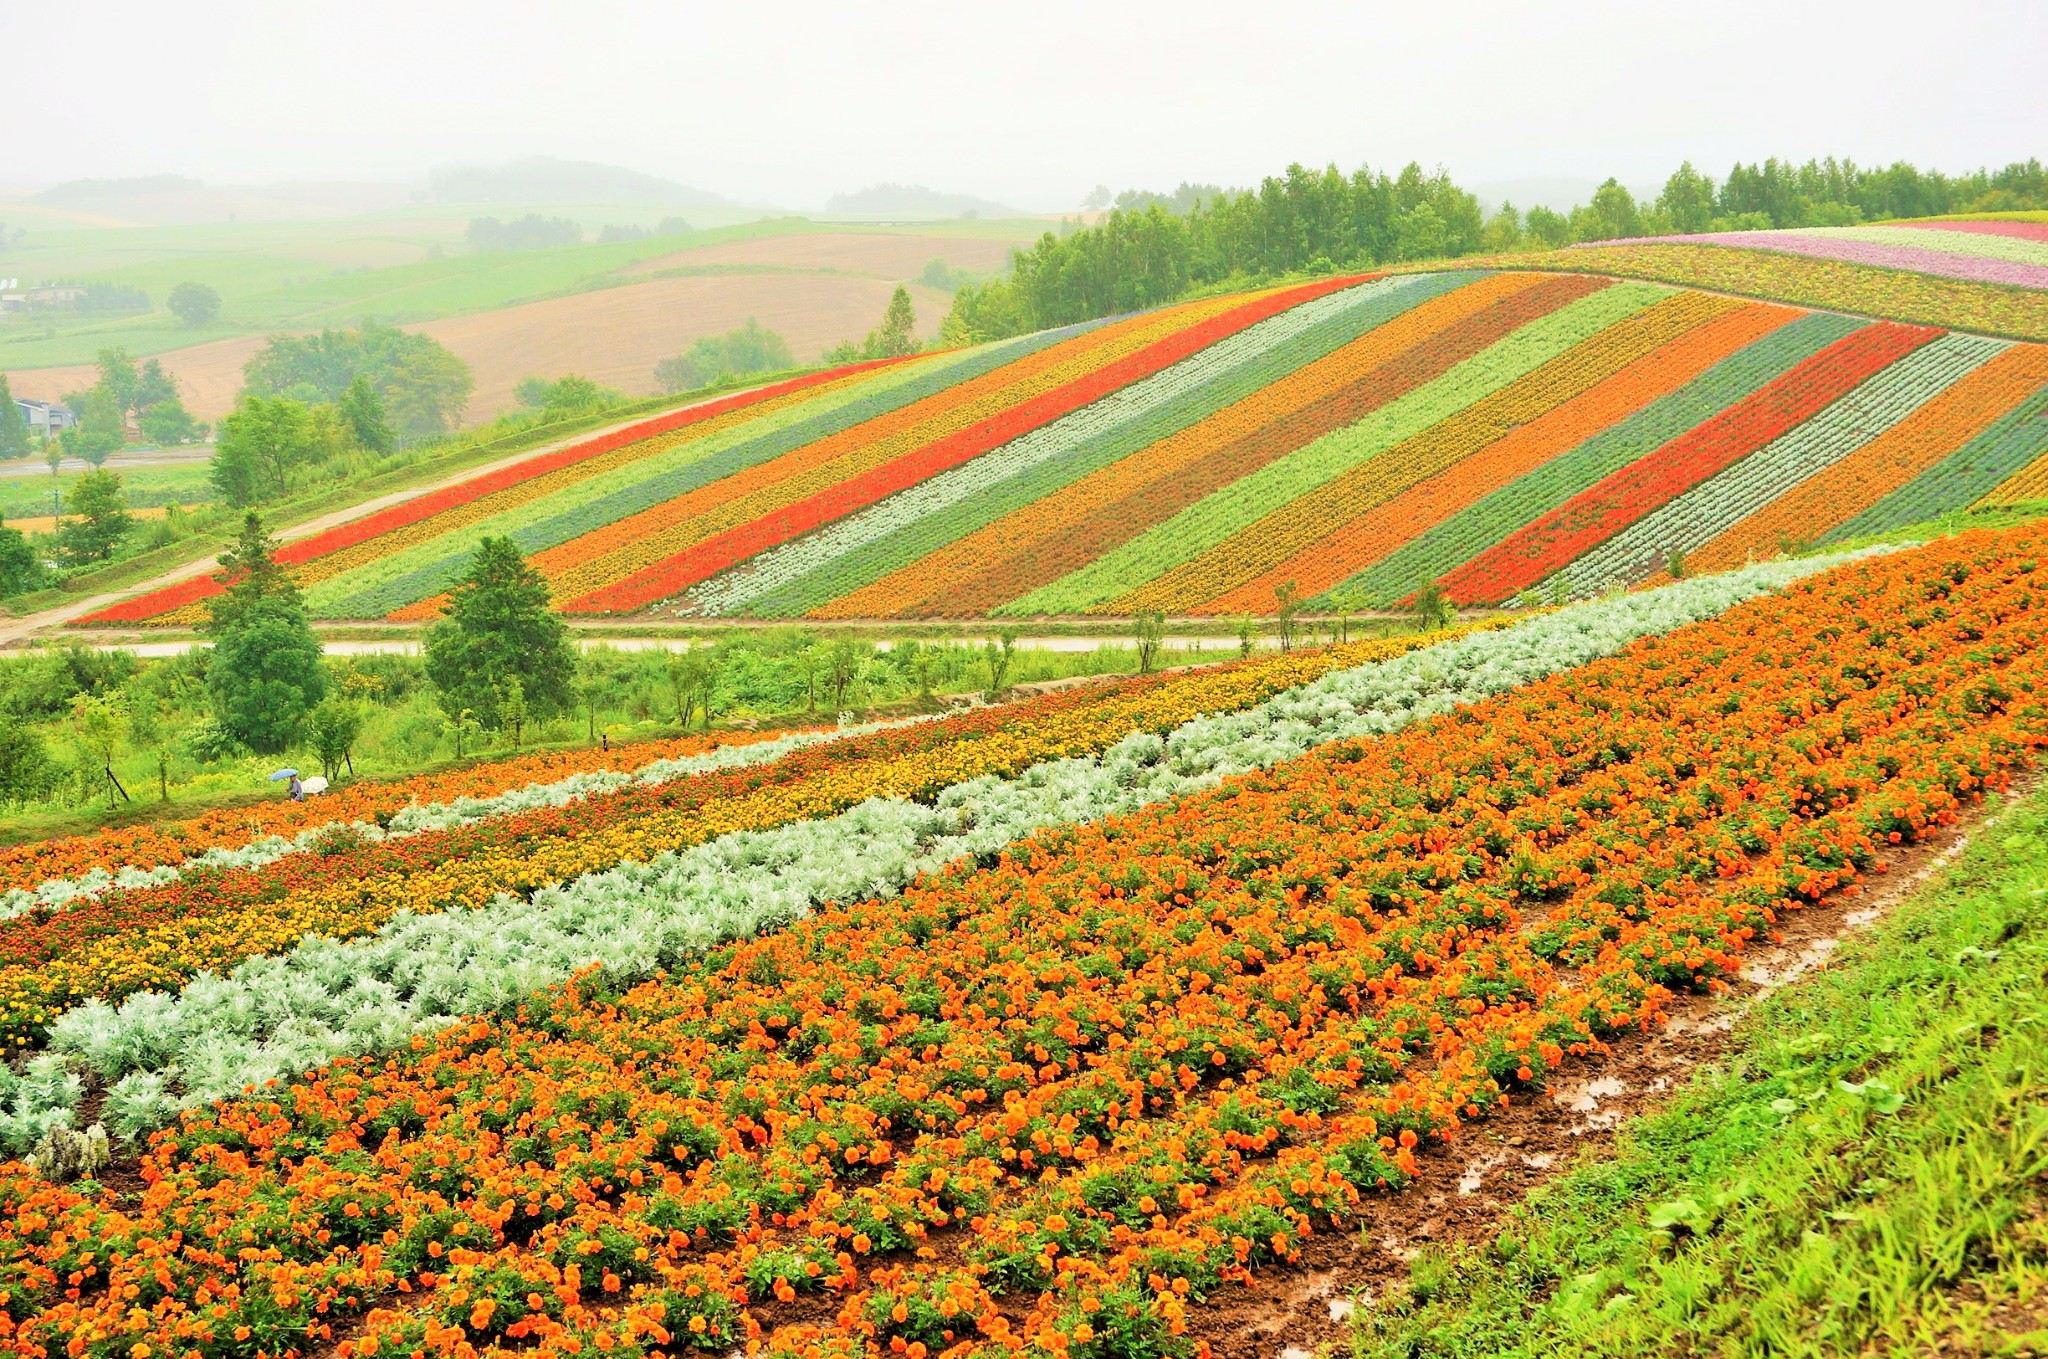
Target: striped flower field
column 1506, row 433
column 2012, row 253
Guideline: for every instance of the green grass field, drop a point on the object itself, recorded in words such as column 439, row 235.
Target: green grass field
column 298, row 276
column 27, row 494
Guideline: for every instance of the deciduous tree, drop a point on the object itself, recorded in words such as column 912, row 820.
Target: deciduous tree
column 363, row 413
column 259, row 445
column 99, row 518
column 194, row 303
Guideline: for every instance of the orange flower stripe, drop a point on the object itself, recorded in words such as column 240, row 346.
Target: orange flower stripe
column 931, row 577
column 1718, row 331
column 616, row 551
column 173, row 841
column 421, row 611
column 1296, row 525
column 511, row 497
column 1884, row 464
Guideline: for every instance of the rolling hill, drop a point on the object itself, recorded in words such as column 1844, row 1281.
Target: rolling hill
column 1511, row 434
column 1984, row 274
column 608, row 311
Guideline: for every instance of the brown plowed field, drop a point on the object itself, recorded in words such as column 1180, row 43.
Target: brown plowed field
column 883, row 254
column 208, row 375
column 617, row 335
column 613, row 335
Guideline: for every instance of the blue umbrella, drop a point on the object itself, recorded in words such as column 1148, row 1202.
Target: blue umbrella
column 283, row 774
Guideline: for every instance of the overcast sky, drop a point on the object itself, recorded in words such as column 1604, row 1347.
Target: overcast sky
column 1027, row 103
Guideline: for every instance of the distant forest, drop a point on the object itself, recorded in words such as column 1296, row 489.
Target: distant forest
column 1153, row 248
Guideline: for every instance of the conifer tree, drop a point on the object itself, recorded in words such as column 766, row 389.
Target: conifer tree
column 264, row 674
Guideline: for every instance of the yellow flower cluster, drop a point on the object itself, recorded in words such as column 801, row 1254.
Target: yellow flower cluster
column 1002, row 742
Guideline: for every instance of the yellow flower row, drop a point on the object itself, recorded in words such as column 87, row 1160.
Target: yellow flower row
column 163, row 955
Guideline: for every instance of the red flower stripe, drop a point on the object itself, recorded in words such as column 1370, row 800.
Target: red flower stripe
column 2019, row 231
column 156, row 602
column 1618, row 500
column 706, row 559
column 1372, row 372
column 426, row 506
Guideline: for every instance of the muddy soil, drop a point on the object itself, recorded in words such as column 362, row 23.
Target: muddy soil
column 1468, row 1188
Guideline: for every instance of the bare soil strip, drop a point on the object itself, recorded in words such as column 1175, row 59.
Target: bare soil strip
column 1467, row 1189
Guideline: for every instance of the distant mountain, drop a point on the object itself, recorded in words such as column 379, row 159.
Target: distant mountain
column 175, row 199
column 914, row 200
column 92, row 193
column 543, row 179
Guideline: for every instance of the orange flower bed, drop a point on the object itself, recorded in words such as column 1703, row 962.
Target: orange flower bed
column 1059, row 1100
column 174, row 841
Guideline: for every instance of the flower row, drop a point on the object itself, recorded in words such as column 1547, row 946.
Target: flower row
column 1834, row 284
column 160, row 844
column 1285, row 542
column 1070, row 522
column 157, row 937
column 629, row 545
column 1694, row 517
column 273, row 1017
column 1212, row 533
column 843, row 556
column 1943, row 428
column 2010, row 444
column 419, row 566
column 476, row 488
column 1053, row 1102
column 1943, row 254
column 1423, row 515
column 1596, row 514
column 1168, row 505
column 854, row 489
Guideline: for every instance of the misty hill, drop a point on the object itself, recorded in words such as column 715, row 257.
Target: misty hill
column 90, row 193
column 915, row 200
column 544, row 179
column 177, row 200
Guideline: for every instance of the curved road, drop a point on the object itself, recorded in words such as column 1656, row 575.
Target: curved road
column 14, row 631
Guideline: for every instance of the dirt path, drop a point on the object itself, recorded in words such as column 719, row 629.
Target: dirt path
column 15, row 631
column 1468, row 1189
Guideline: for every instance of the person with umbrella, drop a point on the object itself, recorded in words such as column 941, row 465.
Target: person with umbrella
column 296, row 789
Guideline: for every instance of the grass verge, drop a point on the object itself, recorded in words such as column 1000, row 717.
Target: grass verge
column 1866, row 1173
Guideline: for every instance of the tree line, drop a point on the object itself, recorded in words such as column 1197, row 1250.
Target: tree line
column 1154, row 248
